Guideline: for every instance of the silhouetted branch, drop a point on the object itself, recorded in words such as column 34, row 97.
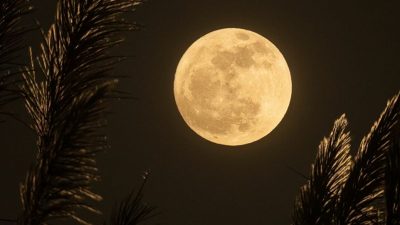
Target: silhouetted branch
column 364, row 186
column 295, row 171
column 317, row 201
column 11, row 33
column 132, row 210
column 66, row 99
column 392, row 174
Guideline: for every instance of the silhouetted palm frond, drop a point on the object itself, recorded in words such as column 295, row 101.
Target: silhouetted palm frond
column 317, row 201
column 364, row 186
column 392, row 175
column 132, row 210
column 11, row 32
column 67, row 99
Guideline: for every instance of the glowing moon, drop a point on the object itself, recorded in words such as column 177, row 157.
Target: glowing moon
column 232, row 86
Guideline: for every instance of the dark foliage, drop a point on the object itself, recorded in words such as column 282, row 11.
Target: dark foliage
column 364, row 187
column 132, row 210
column 66, row 99
column 11, row 33
column 318, row 198
column 354, row 194
column 392, row 174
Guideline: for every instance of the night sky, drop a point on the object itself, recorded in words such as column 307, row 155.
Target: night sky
column 343, row 56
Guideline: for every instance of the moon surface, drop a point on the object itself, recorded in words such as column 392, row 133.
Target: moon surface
column 232, row 86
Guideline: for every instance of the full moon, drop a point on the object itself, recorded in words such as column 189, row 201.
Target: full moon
column 232, row 86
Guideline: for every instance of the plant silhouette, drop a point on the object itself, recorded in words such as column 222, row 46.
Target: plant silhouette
column 66, row 90
column 11, row 35
column 132, row 210
column 345, row 191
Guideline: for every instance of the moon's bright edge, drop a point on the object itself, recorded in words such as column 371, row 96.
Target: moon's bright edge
column 232, row 86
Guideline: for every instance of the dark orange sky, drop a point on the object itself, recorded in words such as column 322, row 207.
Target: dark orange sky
column 344, row 58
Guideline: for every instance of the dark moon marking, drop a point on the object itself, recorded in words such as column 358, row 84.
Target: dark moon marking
column 242, row 36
